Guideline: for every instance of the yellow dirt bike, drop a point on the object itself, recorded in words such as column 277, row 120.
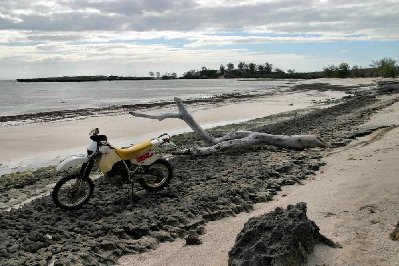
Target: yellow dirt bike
column 153, row 172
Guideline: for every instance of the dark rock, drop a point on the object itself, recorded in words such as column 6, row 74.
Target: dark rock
column 200, row 230
column 314, row 167
column 274, row 174
column 289, row 182
column 163, row 236
column 284, row 168
column 136, row 232
column 281, row 237
column 193, row 239
column 217, row 215
column 264, row 196
column 395, row 234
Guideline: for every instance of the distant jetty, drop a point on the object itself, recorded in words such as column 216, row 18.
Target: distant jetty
column 83, row 79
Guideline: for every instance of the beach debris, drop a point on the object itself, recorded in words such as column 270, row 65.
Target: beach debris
column 281, row 237
column 233, row 139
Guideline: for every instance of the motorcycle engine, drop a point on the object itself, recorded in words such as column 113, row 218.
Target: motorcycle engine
column 118, row 175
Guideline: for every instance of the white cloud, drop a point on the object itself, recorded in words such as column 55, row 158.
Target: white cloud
column 296, row 16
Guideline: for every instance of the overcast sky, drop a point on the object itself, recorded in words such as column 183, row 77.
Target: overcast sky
column 40, row 38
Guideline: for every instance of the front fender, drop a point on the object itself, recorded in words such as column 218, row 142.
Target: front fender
column 71, row 162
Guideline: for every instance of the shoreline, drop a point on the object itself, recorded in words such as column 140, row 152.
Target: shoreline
column 78, row 113
column 51, row 116
column 21, row 152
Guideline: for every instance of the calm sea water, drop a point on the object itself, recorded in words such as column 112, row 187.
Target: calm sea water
column 22, row 98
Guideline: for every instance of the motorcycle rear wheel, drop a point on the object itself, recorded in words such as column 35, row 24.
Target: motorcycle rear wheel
column 157, row 176
column 71, row 192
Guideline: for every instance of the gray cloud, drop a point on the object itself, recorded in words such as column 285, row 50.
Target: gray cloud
column 131, row 7
column 338, row 17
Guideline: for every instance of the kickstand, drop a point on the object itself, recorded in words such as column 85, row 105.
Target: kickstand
column 131, row 192
column 133, row 198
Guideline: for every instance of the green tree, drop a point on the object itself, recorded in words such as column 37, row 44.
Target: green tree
column 230, row 67
column 279, row 72
column 330, row 71
column 151, row 74
column 386, row 67
column 343, row 70
column 190, row 74
column 356, row 71
column 222, row 69
column 252, row 67
column 241, row 66
column 268, row 68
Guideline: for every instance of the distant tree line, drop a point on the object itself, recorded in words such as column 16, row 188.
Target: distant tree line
column 385, row 67
column 243, row 70
column 167, row 75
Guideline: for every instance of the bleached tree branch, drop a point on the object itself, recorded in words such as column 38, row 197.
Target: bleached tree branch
column 236, row 138
column 158, row 117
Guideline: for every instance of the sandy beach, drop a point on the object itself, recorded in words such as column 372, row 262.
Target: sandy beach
column 353, row 199
column 350, row 187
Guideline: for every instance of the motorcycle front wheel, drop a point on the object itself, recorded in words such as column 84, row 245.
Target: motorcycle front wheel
column 71, row 192
column 157, row 176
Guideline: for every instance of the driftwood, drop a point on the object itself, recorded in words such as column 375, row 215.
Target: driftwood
column 233, row 139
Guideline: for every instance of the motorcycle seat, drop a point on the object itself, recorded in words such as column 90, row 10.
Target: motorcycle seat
column 134, row 151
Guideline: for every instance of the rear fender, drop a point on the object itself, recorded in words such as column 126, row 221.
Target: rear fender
column 71, row 162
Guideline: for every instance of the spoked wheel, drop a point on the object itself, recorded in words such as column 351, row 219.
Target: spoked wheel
column 157, row 176
column 71, row 192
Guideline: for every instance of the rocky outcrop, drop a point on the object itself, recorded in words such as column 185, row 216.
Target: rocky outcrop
column 281, row 237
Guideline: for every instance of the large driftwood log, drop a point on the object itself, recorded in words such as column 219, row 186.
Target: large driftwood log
column 233, row 139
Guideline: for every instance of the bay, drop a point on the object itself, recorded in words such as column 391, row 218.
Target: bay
column 22, row 98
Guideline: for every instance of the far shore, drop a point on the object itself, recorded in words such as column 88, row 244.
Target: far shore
column 82, row 79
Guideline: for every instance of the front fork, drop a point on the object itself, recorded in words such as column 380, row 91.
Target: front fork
column 86, row 169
